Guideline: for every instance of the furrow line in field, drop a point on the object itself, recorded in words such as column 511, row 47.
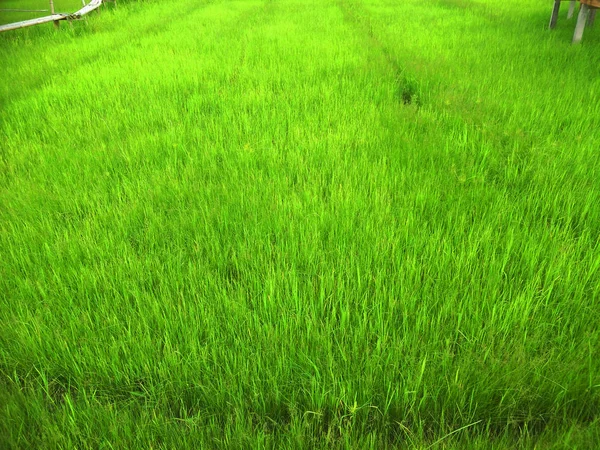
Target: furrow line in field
column 356, row 16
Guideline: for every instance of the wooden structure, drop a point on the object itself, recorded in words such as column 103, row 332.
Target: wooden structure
column 587, row 15
column 556, row 9
column 56, row 18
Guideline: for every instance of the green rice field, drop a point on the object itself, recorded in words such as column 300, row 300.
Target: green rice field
column 300, row 224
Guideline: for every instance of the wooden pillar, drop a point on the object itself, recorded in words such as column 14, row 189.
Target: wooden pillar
column 571, row 9
column 554, row 16
column 581, row 22
column 592, row 17
column 56, row 25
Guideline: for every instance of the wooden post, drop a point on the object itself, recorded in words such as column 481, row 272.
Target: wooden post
column 581, row 21
column 571, row 9
column 592, row 17
column 554, row 16
column 56, row 25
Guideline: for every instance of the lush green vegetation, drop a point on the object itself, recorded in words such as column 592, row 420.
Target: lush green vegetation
column 9, row 9
column 300, row 224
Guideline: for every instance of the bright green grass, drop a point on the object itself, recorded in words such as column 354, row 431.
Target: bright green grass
column 60, row 6
column 301, row 224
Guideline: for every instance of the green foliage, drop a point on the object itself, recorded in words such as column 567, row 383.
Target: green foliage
column 300, row 224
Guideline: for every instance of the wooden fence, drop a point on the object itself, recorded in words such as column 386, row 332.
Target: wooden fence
column 56, row 18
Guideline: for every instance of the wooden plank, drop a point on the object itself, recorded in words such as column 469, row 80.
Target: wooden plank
column 23, row 10
column 581, row 22
column 31, row 22
column 94, row 4
column 593, row 3
column 554, row 16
